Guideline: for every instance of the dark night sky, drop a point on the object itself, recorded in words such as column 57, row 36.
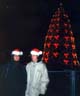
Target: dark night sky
column 24, row 23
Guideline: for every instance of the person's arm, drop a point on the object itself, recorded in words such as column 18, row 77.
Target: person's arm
column 26, row 91
column 44, row 79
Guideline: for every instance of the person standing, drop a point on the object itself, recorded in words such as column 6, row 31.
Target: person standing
column 37, row 75
column 14, row 76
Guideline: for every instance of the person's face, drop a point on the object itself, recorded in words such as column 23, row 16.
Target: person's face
column 34, row 58
column 16, row 58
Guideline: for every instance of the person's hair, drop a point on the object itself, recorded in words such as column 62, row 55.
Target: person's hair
column 39, row 58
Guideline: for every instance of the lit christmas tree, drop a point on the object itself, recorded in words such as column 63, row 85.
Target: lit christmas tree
column 59, row 46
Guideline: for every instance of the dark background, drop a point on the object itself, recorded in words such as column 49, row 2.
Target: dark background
column 24, row 24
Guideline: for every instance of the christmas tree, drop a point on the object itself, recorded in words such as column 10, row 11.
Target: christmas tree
column 59, row 45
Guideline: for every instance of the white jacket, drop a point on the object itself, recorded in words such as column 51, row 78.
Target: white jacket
column 37, row 79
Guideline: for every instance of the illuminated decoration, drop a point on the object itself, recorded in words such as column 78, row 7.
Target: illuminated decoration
column 66, row 61
column 46, row 59
column 50, row 37
column 47, row 53
column 74, row 55
column 66, row 55
column 72, row 39
column 48, row 45
column 55, row 54
column 66, row 38
column 65, row 24
column 73, row 46
column 56, row 45
column 75, row 62
column 66, row 31
column 57, row 31
column 66, row 45
column 59, row 45
column 57, row 37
